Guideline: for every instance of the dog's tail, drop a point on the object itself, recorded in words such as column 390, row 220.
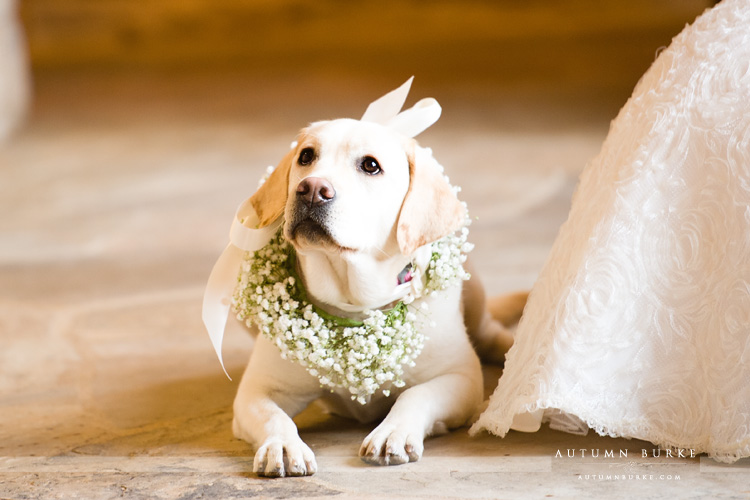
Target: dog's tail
column 507, row 309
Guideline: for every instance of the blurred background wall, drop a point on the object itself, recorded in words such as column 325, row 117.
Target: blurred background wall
column 567, row 49
column 500, row 41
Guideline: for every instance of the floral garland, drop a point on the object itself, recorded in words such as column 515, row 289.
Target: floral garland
column 361, row 356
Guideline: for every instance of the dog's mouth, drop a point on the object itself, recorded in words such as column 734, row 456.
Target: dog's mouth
column 311, row 232
column 309, row 228
column 307, row 232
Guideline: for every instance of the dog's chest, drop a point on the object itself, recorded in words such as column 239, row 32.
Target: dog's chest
column 339, row 402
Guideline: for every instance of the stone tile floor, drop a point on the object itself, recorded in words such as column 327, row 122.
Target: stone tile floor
column 114, row 202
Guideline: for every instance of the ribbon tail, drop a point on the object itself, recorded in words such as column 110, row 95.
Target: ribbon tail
column 385, row 108
column 417, row 119
column 217, row 297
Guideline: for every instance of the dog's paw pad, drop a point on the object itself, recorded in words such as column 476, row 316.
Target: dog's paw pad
column 284, row 458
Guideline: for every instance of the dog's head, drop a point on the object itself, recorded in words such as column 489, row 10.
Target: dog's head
column 354, row 186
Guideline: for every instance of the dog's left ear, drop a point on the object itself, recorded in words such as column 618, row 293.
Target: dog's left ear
column 269, row 200
column 431, row 209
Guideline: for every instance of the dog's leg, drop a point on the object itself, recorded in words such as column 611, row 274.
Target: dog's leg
column 433, row 407
column 271, row 392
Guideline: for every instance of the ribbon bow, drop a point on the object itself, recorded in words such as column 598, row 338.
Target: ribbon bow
column 217, row 298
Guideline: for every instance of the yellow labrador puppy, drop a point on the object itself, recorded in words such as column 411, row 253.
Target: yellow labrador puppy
column 358, row 200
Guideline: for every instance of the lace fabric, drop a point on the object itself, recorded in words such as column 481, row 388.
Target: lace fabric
column 639, row 324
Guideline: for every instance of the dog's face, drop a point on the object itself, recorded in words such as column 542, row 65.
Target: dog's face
column 357, row 187
column 347, row 182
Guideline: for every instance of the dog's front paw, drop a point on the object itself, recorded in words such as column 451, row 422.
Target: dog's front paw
column 387, row 445
column 284, row 457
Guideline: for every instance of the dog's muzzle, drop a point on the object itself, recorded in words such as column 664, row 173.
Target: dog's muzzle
column 311, row 215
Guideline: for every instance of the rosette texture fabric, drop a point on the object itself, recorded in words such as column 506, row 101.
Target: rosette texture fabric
column 639, row 323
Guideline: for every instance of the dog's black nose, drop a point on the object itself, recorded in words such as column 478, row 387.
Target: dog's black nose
column 314, row 191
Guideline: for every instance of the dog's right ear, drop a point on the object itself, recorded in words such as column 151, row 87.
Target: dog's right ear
column 270, row 199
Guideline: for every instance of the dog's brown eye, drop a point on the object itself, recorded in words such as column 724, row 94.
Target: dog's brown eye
column 370, row 166
column 306, row 156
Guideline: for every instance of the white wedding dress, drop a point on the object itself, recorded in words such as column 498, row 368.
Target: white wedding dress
column 639, row 324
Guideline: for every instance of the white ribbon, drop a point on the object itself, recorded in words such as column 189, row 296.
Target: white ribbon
column 217, row 299
column 411, row 122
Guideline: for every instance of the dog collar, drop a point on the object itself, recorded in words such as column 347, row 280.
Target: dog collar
column 405, row 276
